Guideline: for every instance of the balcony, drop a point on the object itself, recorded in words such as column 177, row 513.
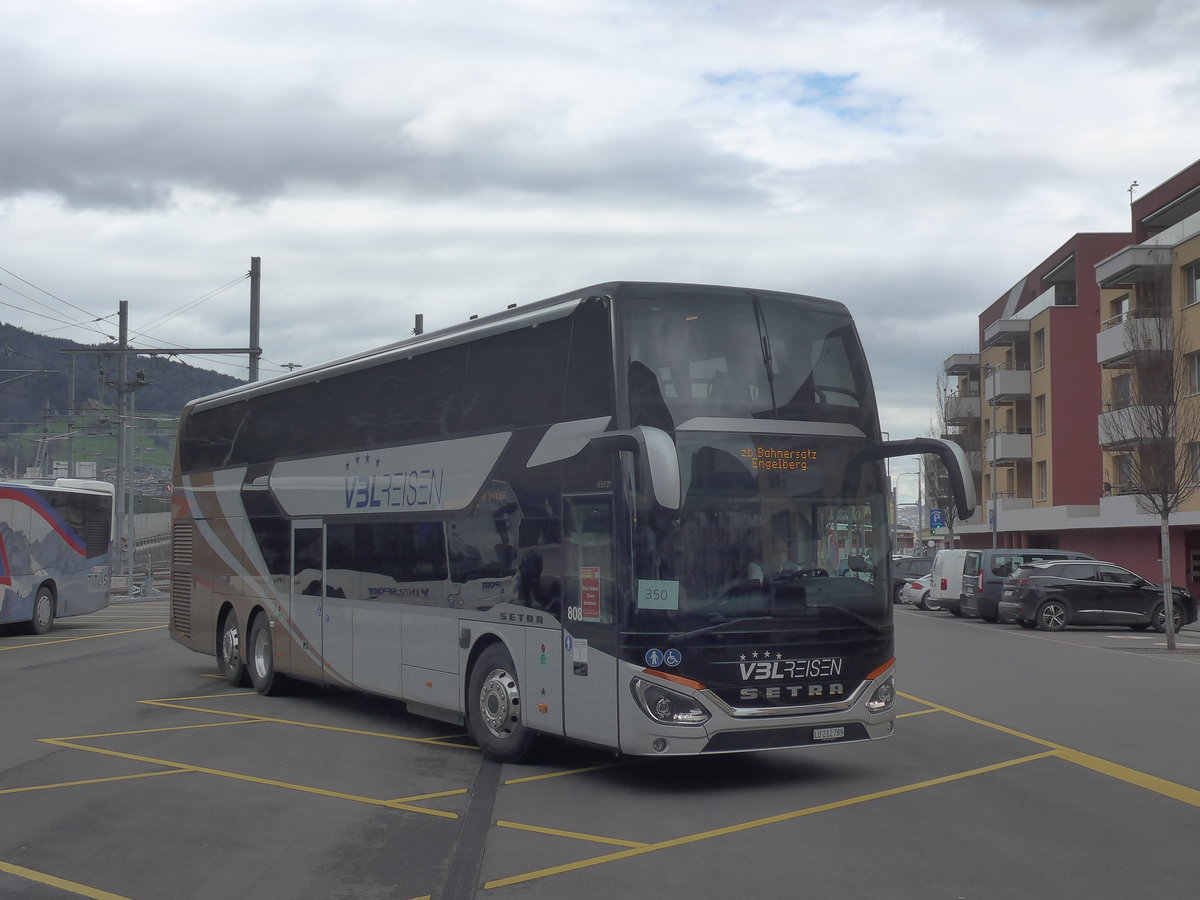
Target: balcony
column 1008, row 502
column 1010, row 446
column 1124, row 336
column 962, row 409
column 1006, row 331
column 1128, row 426
column 1007, row 385
column 961, row 364
column 1138, row 263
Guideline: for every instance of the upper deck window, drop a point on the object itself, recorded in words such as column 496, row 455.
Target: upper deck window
column 742, row 355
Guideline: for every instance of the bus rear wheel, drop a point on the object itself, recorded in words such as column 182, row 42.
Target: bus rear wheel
column 494, row 707
column 261, row 658
column 43, row 611
column 229, row 655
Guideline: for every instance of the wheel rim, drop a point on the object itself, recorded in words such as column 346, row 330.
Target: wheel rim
column 1160, row 619
column 43, row 611
column 499, row 702
column 229, row 643
column 1053, row 617
column 262, row 653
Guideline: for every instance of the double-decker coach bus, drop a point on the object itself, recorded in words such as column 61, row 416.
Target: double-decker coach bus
column 55, row 549
column 649, row 517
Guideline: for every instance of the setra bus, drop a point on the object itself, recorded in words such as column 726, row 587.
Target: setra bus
column 55, row 549
column 648, row 517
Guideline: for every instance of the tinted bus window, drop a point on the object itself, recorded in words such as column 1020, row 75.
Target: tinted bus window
column 517, row 379
column 590, row 363
column 705, row 354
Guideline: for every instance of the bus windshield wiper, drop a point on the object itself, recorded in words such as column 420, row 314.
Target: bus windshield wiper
column 857, row 617
column 717, row 622
column 765, row 344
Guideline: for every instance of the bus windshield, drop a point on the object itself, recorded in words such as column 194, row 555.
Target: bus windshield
column 770, row 526
column 699, row 354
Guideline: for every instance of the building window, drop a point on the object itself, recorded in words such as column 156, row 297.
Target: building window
column 1192, row 361
column 1040, row 414
column 1043, row 483
column 1193, row 463
column 1191, row 286
column 1117, row 309
column 1122, row 391
column 1039, row 349
column 1122, row 474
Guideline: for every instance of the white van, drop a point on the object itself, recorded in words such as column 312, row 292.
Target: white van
column 946, row 584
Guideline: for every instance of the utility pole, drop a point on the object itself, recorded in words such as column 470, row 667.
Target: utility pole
column 121, row 543
column 255, row 347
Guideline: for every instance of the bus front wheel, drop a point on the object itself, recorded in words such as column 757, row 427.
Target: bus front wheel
column 261, row 658
column 494, row 707
column 43, row 611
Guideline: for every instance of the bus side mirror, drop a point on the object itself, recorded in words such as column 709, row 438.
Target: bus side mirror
column 657, row 448
column 962, row 484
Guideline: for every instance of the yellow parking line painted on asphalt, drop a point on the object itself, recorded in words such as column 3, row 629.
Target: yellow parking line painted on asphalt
column 557, row 832
column 85, row 637
column 758, row 823
column 107, row 734
column 67, row 784
column 400, row 801
column 61, row 883
column 441, row 741
column 1096, row 764
column 985, row 723
column 919, row 712
column 253, row 779
column 162, row 701
column 546, row 775
column 1133, row 776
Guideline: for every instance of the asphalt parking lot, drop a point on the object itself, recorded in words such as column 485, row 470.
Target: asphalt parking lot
column 134, row 772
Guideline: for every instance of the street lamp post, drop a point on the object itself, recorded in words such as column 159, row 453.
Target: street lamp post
column 896, row 505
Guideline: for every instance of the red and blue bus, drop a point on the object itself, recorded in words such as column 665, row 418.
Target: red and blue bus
column 55, row 549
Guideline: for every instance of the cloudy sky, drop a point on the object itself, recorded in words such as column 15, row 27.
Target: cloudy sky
column 911, row 159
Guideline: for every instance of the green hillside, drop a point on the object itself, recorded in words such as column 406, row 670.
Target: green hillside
column 35, row 392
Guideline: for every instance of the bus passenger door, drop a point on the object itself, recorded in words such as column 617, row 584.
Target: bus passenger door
column 589, row 619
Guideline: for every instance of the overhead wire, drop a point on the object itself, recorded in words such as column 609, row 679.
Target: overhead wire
column 88, row 325
column 143, row 332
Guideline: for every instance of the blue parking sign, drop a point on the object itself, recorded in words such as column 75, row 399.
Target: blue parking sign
column 937, row 518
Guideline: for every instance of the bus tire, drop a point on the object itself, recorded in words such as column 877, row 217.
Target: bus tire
column 260, row 657
column 42, row 619
column 494, row 707
column 230, row 658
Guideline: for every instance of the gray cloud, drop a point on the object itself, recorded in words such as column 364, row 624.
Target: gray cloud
column 112, row 142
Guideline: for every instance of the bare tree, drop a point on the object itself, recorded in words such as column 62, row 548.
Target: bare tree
column 1150, row 422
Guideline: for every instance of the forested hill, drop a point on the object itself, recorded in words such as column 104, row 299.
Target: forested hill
column 169, row 384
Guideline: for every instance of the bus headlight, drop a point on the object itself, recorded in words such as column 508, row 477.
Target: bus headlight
column 666, row 706
column 883, row 697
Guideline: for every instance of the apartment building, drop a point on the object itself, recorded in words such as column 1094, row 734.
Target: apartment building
column 1052, row 408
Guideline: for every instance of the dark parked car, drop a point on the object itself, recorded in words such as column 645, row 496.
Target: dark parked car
column 1053, row 595
column 906, row 569
column 984, row 573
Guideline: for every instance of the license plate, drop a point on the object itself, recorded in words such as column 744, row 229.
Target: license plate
column 829, row 734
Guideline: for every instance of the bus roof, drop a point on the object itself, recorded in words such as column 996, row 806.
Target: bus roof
column 477, row 327
column 82, row 485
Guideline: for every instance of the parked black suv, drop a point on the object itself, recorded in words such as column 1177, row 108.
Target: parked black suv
column 984, row 573
column 1053, row 595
